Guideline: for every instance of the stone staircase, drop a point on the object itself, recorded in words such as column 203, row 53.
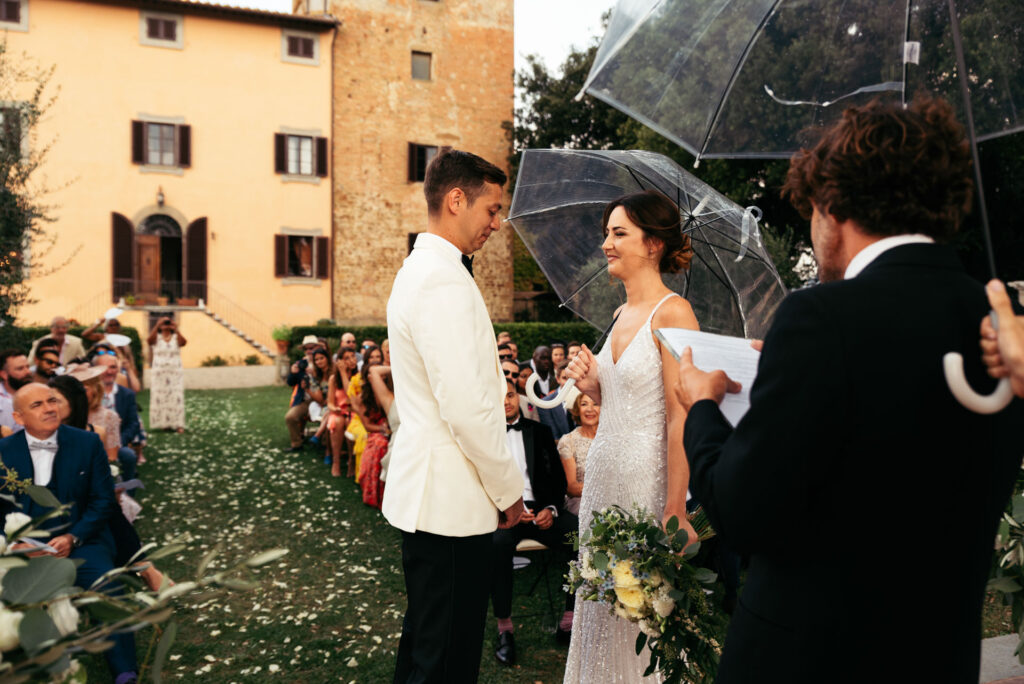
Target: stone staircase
column 255, row 344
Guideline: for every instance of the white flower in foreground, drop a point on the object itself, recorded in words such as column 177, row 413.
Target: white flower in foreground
column 649, row 628
column 64, row 615
column 3, row 544
column 14, row 522
column 664, row 606
column 115, row 472
column 9, row 622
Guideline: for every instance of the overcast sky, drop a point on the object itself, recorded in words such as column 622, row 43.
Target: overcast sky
column 549, row 28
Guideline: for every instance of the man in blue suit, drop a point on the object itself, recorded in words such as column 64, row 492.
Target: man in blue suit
column 122, row 400
column 72, row 464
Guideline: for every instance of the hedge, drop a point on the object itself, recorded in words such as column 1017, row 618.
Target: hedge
column 527, row 336
column 13, row 337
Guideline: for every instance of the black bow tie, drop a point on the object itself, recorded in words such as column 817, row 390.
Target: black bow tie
column 467, row 261
column 518, row 425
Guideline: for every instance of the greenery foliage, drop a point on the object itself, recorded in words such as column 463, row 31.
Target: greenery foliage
column 215, row 360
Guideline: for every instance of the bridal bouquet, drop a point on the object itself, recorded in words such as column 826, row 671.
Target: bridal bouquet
column 629, row 562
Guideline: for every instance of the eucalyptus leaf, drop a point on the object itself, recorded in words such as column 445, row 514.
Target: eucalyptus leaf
column 641, row 641
column 160, row 616
column 42, row 496
column 37, row 631
column 176, row 590
column 97, row 646
column 208, row 558
column 60, row 665
column 705, row 576
column 41, row 579
column 239, row 585
column 600, row 560
column 672, row 525
column 12, row 562
column 10, row 499
column 107, row 612
column 265, row 557
column 52, row 655
column 168, row 550
column 1005, row 584
column 1018, row 508
column 691, row 550
column 161, row 651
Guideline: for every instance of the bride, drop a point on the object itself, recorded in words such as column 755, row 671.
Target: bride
column 637, row 455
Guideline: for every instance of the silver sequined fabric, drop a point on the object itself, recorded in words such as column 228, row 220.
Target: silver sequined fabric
column 626, row 465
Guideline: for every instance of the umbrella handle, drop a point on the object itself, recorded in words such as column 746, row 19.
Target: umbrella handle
column 531, row 393
column 953, row 366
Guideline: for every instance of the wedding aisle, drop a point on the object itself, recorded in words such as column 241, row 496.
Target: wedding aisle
column 331, row 609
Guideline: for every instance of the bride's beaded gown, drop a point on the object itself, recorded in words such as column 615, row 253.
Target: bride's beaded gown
column 626, row 465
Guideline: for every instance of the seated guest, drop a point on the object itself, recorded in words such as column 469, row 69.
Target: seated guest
column 375, row 404
column 385, row 349
column 545, row 521
column 126, row 376
column 298, row 406
column 69, row 347
column 319, row 385
column 356, row 428
column 106, row 421
column 71, row 464
column 339, row 412
column 573, row 448
column 557, row 353
column 14, row 374
column 73, row 410
column 542, row 365
column 47, row 365
column 528, row 410
column 503, row 337
column 557, row 418
column 505, row 352
column 122, row 401
column 515, row 350
column 572, row 350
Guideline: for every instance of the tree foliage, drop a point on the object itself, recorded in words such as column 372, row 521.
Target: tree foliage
column 24, row 88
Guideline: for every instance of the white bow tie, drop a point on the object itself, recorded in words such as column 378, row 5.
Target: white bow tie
column 43, row 446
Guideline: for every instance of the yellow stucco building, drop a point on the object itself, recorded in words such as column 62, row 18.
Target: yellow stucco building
column 191, row 166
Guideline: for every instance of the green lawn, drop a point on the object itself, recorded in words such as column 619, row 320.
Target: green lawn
column 331, row 609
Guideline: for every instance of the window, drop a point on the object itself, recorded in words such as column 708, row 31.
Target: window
column 157, row 29
column 161, row 29
column 10, row 132
column 420, row 157
column 160, row 144
column 300, row 155
column 421, row 65
column 298, row 47
column 301, row 256
column 14, row 15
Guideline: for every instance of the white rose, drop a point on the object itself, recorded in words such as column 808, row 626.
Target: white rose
column 64, row 615
column 14, row 522
column 115, row 472
column 9, row 622
column 649, row 628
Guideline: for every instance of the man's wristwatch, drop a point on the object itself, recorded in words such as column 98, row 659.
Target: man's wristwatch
column 75, row 541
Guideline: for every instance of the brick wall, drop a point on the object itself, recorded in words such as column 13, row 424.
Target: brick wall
column 379, row 108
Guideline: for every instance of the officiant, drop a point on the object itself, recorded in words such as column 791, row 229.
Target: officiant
column 865, row 495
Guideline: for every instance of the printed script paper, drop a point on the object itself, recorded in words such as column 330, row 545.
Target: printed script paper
column 711, row 352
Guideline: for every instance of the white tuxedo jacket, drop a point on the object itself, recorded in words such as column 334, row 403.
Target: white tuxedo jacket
column 450, row 470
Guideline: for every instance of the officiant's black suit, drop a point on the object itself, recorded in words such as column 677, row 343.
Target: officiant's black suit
column 865, row 496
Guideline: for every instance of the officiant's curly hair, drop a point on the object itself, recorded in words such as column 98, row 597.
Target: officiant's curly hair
column 891, row 170
column 658, row 217
column 457, row 169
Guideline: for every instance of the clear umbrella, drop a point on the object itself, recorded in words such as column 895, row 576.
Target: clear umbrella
column 557, row 209
column 759, row 78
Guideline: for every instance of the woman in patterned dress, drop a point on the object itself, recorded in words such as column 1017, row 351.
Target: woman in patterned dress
column 573, row 448
column 167, row 384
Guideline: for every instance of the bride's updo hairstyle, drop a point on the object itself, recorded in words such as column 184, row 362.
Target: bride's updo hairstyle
column 658, row 217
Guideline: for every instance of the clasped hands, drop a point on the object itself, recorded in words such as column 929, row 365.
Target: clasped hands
column 62, row 546
column 519, row 513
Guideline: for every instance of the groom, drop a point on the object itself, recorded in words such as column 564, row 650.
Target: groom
column 865, row 496
column 451, row 481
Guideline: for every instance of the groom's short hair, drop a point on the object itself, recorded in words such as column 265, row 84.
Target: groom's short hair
column 457, row 169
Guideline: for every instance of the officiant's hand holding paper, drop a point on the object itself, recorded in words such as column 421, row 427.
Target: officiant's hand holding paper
column 695, row 385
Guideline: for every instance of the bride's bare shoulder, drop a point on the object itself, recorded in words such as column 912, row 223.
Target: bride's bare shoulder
column 676, row 312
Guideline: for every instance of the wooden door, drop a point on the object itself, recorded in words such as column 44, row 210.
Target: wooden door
column 147, row 256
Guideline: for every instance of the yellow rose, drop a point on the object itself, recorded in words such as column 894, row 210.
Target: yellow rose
column 622, row 573
column 631, row 597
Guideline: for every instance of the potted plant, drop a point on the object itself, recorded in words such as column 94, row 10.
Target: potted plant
column 188, row 301
column 282, row 335
column 129, row 299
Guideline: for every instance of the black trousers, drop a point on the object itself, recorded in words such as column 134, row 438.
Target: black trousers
column 446, row 581
column 555, row 538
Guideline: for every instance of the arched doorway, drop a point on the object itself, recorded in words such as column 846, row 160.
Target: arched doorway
column 158, row 257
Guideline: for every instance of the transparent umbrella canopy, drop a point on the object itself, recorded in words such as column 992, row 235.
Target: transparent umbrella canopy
column 557, row 209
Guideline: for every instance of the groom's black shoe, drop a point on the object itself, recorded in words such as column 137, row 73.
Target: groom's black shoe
column 506, row 651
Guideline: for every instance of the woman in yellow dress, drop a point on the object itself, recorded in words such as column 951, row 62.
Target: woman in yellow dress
column 372, row 356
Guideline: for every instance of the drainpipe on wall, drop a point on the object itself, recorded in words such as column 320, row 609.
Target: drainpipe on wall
column 334, row 245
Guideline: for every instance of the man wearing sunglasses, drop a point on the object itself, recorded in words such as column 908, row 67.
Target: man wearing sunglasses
column 47, row 366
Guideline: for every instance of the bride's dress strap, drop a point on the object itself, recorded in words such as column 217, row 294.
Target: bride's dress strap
column 657, row 306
